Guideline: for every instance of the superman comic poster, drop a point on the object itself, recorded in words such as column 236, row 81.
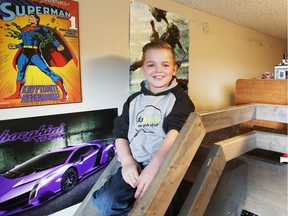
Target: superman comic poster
column 39, row 55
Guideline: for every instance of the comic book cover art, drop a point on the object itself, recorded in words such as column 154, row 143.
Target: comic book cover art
column 147, row 24
column 39, row 55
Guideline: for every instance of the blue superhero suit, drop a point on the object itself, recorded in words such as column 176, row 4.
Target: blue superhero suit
column 31, row 52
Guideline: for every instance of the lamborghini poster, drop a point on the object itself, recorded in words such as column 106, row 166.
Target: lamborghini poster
column 49, row 163
column 39, row 55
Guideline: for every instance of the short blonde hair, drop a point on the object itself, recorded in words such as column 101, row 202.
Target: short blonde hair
column 157, row 45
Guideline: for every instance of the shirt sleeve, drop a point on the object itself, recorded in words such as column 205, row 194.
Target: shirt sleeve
column 121, row 123
column 180, row 112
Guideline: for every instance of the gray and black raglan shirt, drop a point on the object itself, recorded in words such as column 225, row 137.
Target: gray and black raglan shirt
column 148, row 117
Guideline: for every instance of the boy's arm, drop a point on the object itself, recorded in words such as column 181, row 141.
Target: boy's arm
column 150, row 170
column 130, row 168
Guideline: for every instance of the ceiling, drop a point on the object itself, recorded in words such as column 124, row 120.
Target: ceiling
column 265, row 16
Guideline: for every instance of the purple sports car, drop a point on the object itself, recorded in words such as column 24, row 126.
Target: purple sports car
column 47, row 175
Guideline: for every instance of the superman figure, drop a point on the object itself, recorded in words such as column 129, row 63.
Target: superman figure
column 43, row 47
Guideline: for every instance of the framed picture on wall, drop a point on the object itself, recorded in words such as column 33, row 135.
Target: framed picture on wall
column 39, row 55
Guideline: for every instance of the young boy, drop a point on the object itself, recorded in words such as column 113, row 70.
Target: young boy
column 146, row 129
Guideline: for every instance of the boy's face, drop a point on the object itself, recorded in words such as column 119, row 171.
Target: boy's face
column 158, row 68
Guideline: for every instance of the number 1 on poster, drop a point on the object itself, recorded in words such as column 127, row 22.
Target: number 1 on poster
column 73, row 23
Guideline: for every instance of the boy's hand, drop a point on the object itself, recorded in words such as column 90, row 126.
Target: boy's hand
column 130, row 172
column 151, row 169
column 145, row 179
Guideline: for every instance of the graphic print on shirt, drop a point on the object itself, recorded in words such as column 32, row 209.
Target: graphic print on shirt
column 148, row 118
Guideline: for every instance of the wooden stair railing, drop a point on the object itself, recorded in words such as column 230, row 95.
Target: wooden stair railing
column 201, row 192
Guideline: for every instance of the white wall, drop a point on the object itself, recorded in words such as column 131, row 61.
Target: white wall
column 220, row 53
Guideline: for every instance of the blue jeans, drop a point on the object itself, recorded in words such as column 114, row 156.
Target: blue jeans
column 116, row 198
